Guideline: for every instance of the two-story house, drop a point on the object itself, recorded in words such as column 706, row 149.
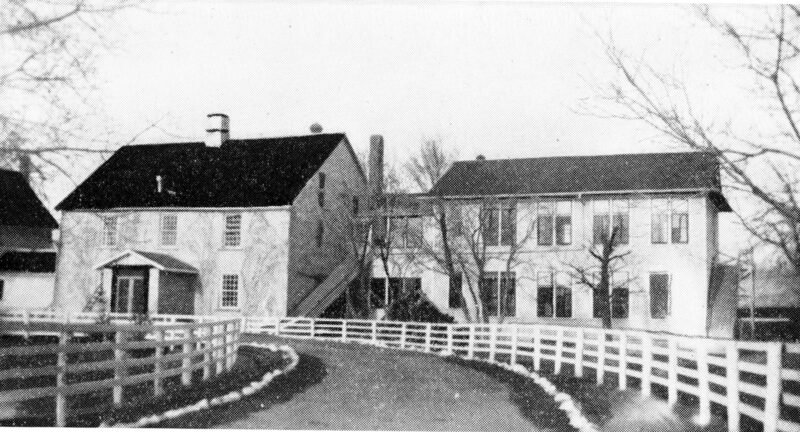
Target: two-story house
column 540, row 218
column 27, row 254
column 226, row 226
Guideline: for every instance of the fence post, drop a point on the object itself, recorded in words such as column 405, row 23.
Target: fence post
column 772, row 394
column 312, row 330
column 492, row 341
column 623, row 361
column 537, row 348
column 61, row 399
column 601, row 356
column 278, row 327
column 732, row 381
column 220, row 363
column 208, row 356
column 403, row 336
column 186, row 364
column 471, row 343
column 344, row 331
column 374, row 332
column 514, row 341
column 158, row 368
column 428, row 338
column 119, row 368
column 647, row 364
column 450, row 338
column 672, row 370
column 579, row 353
column 703, row 390
column 227, row 340
column 558, row 351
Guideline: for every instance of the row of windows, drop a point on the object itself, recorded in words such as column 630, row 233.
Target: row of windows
column 554, row 295
column 168, row 230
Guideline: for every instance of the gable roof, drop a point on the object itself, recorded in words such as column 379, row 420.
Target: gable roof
column 261, row 172
column 687, row 171
column 28, row 262
column 160, row 261
column 19, row 205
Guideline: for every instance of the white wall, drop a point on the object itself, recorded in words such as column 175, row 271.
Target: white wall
column 688, row 264
column 27, row 290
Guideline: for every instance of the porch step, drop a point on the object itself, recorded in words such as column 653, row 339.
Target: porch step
column 331, row 288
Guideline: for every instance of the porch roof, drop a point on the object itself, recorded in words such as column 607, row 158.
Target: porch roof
column 160, row 261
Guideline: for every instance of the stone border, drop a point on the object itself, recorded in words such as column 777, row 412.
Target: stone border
column 253, row 387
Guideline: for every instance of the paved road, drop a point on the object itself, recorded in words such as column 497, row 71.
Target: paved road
column 341, row 386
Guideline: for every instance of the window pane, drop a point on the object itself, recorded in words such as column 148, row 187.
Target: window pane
column 233, row 227
column 230, row 291
column 395, row 287
column 488, row 290
column 659, row 295
column 563, row 296
column 322, row 180
column 509, row 226
column 601, row 228
column 660, row 226
column 110, row 230
column 321, row 198
column 680, row 228
column 564, row 230
column 378, row 288
column 597, row 298
column 491, row 233
column 619, row 303
column 455, row 291
column 544, row 297
column 622, row 225
column 544, row 230
column 508, row 286
column 169, row 229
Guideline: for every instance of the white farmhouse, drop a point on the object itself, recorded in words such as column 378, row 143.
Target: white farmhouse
column 226, row 226
column 550, row 212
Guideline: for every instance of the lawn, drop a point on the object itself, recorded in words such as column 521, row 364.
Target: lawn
column 353, row 387
column 94, row 408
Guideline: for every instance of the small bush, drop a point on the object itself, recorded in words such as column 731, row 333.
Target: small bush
column 415, row 306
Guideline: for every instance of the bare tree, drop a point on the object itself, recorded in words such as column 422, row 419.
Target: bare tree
column 763, row 163
column 429, row 164
column 606, row 261
column 49, row 49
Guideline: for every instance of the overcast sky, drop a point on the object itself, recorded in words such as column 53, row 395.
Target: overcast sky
column 500, row 79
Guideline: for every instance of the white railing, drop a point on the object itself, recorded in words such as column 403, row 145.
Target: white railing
column 745, row 377
column 178, row 349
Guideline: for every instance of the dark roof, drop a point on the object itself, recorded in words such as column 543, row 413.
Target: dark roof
column 167, row 261
column 241, row 173
column 19, row 205
column 29, row 262
column 581, row 174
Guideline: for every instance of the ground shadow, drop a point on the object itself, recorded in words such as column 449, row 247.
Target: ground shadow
column 309, row 372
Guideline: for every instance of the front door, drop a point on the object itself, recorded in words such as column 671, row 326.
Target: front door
column 129, row 291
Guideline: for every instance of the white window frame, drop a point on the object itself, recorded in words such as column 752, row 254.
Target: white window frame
column 224, row 290
column 163, row 231
column 229, row 232
column 555, row 210
column 611, row 207
column 110, row 231
column 670, row 207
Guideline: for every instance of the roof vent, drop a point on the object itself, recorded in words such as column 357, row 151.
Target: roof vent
column 316, row 128
column 480, row 157
column 217, row 129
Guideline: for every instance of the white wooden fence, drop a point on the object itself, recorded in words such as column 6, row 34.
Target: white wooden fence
column 178, row 349
column 747, row 378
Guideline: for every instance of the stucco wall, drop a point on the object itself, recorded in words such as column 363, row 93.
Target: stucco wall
column 27, row 290
column 306, row 260
column 688, row 264
column 260, row 261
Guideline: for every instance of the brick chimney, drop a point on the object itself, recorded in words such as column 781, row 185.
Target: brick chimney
column 217, row 129
column 375, row 181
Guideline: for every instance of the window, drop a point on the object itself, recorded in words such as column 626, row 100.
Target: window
column 230, row 291
column 2, row 289
column 320, row 233
column 660, row 221
column 495, row 286
column 405, row 231
column 233, row 230
column 355, row 206
column 619, row 295
column 489, row 293
column 554, row 221
column 611, row 215
column 680, row 220
column 321, row 192
column 322, row 180
column 454, row 297
column 544, row 225
column 499, row 225
column 597, row 297
column 564, row 223
column 552, row 301
column 169, row 229
column 381, row 297
column 508, row 289
column 110, row 230
column 378, row 286
column 659, row 295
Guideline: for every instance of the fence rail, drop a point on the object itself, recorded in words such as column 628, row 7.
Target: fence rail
column 114, row 354
column 747, row 378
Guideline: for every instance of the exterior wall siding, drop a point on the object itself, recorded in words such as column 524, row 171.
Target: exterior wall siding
column 27, row 290
column 687, row 264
